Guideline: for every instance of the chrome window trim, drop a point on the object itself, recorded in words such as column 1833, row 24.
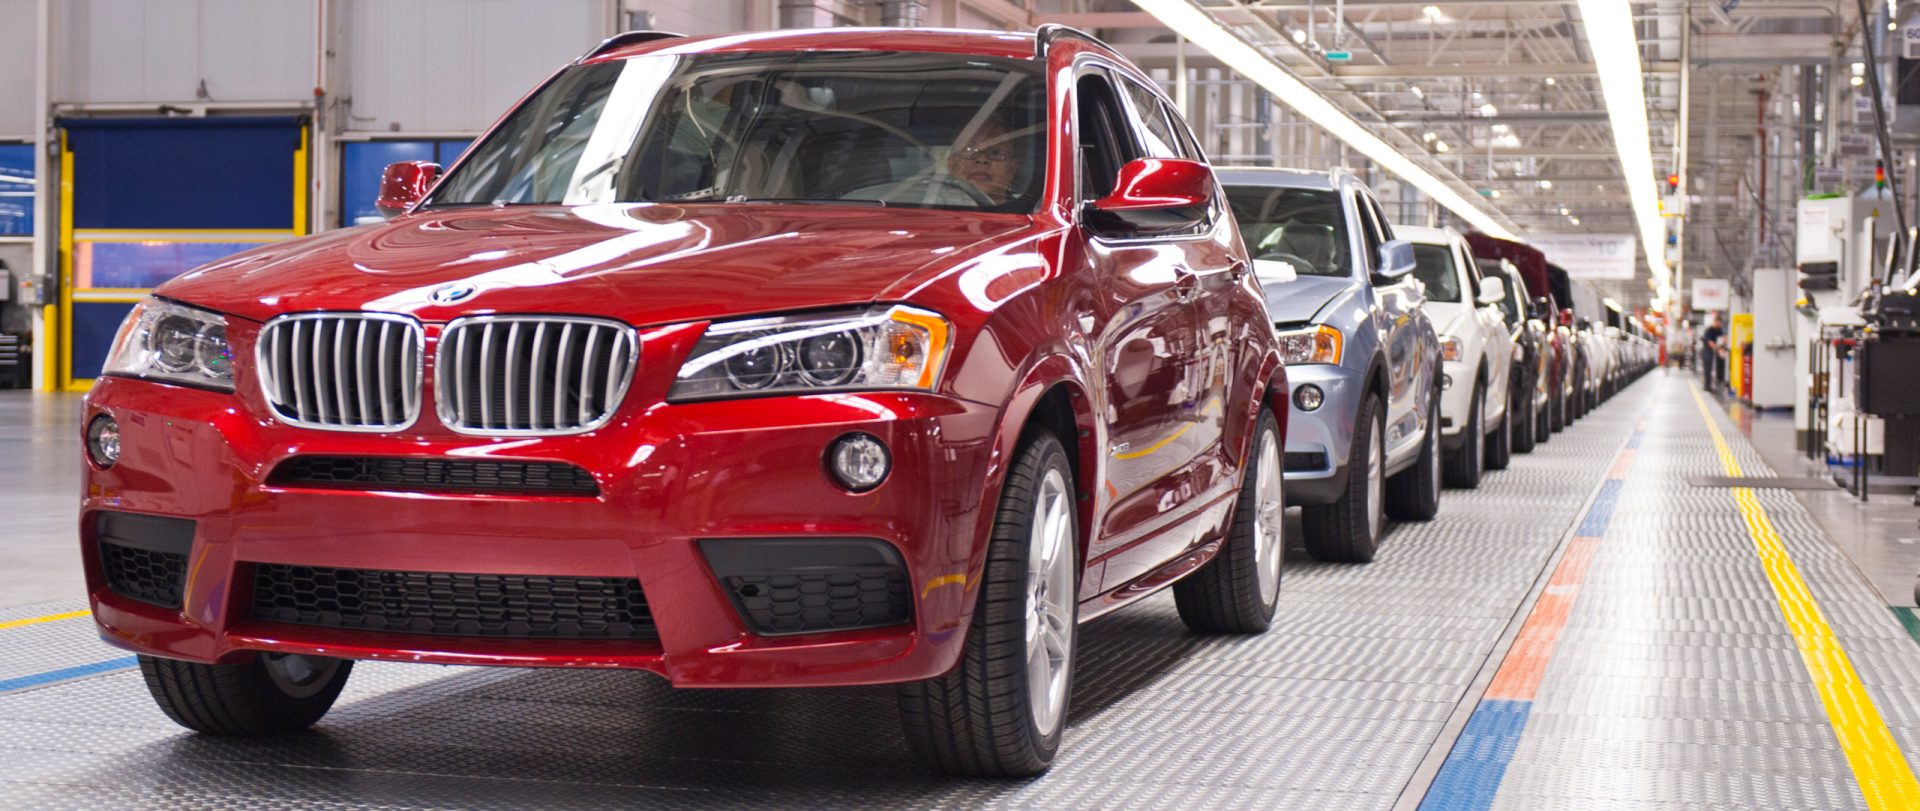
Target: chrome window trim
column 447, row 411
column 263, row 370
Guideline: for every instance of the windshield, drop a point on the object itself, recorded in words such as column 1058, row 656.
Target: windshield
column 921, row 130
column 1433, row 266
column 1304, row 228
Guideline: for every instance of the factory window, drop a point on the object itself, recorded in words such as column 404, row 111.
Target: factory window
column 16, row 190
column 362, row 162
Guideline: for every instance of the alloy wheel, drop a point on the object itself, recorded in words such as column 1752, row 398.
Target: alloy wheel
column 1270, row 521
column 1050, row 602
column 1376, row 483
column 297, row 675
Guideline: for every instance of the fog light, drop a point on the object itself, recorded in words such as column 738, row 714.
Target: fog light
column 859, row 462
column 1308, row 397
column 103, row 441
column 1446, row 381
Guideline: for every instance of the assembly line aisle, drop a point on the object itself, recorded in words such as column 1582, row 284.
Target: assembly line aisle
column 1675, row 681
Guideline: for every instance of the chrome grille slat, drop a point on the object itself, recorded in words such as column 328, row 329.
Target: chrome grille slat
column 513, row 368
column 329, row 370
column 533, row 375
column 361, row 368
column 539, row 361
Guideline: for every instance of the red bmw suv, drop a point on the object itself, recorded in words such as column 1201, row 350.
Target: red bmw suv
column 791, row 359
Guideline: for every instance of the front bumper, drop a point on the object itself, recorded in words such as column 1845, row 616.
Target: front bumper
column 1456, row 399
column 669, row 478
column 1319, row 441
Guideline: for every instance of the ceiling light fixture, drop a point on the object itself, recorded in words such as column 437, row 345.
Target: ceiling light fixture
column 1203, row 30
column 1441, row 146
column 1616, row 58
column 1552, row 81
column 1417, row 92
column 1299, row 36
column 1546, row 184
column 1434, row 15
column 1489, row 110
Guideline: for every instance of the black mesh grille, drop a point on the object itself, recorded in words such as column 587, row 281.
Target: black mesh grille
column 143, row 574
column 822, row 601
column 1306, row 461
column 485, row 605
column 438, row 475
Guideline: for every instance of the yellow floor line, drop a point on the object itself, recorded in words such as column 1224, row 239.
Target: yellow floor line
column 37, row 620
column 1885, row 778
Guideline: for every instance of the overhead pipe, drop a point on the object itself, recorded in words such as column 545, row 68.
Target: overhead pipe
column 1880, row 128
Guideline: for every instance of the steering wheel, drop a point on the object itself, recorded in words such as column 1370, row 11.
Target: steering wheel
column 1300, row 264
column 927, row 184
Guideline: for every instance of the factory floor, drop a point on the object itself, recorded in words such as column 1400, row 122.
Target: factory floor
column 1605, row 624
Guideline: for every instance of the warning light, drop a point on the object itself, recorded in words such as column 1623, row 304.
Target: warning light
column 1673, row 183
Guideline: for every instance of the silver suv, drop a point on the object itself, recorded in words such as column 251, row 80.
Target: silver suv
column 1362, row 358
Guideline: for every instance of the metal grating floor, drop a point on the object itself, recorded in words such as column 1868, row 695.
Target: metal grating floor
column 1673, row 686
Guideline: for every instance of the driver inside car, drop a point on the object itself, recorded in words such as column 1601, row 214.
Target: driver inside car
column 983, row 169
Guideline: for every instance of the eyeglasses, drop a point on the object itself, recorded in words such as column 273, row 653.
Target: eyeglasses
column 992, row 154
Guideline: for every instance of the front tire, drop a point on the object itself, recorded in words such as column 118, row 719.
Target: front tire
column 1001, row 711
column 1500, row 443
column 1523, row 424
column 1236, row 592
column 1414, row 494
column 1465, row 463
column 1348, row 530
column 274, row 694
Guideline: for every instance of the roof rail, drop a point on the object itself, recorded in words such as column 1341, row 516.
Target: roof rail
column 1044, row 36
column 624, row 39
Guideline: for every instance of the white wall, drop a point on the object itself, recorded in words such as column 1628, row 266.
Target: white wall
column 16, row 67
column 456, row 65
column 694, row 17
column 137, row 50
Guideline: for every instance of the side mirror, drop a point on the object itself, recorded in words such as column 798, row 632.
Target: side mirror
column 1566, row 317
column 1154, row 195
column 1493, row 290
column 1541, row 308
column 1396, row 261
column 403, row 185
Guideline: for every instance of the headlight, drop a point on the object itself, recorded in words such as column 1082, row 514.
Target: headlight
column 161, row 340
column 891, row 348
column 1449, row 348
column 1319, row 344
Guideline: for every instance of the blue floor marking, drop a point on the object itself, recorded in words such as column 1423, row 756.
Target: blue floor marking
column 1471, row 775
column 65, row 673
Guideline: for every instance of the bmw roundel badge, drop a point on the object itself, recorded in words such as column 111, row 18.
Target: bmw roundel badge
column 453, row 293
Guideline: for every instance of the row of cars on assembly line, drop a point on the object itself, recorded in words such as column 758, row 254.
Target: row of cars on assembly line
column 1414, row 360
column 787, row 359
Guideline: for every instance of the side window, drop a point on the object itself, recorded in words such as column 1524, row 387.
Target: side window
column 1150, row 120
column 1369, row 225
column 1189, row 148
column 1106, row 143
column 1473, row 270
column 1380, row 218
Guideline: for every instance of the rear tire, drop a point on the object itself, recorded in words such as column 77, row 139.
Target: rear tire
column 1348, row 530
column 1465, row 463
column 1556, row 412
column 1414, row 493
column 275, row 694
column 983, row 718
column 1236, row 592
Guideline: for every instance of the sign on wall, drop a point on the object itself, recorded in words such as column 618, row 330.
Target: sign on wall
column 1712, row 294
column 1589, row 256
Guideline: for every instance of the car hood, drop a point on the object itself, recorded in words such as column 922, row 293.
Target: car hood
column 638, row 263
column 1449, row 317
column 1303, row 298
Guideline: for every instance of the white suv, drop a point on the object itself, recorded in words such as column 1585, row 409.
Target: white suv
column 1476, row 353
